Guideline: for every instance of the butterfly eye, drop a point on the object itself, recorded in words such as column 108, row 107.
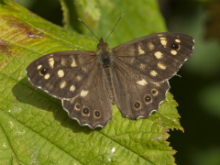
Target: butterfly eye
column 43, row 71
column 86, row 111
column 97, row 114
column 154, row 92
column 175, row 46
column 147, row 99
column 77, row 107
column 137, row 105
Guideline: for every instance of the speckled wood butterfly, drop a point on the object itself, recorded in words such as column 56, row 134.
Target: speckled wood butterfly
column 133, row 75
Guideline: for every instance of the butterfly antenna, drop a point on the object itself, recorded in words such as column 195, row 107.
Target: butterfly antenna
column 114, row 26
column 88, row 28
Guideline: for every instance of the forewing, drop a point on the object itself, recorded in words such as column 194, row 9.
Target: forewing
column 156, row 57
column 62, row 74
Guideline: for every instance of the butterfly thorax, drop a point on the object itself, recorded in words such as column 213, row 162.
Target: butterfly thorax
column 104, row 54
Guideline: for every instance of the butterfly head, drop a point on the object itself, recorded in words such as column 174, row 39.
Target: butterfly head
column 102, row 45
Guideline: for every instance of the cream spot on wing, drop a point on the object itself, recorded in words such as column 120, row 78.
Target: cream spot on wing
column 47, row 76
column 83, row 93
column 72, row 88
column 163, row 41
column 153, row 73
column 151, row 46
column 177, row 40
column 62, row 84
column 173, row 52
column 73, row 63
column 140, row 50
column 161, row 66
column 142, row 66
column 132, row 60
column 142, row 82
column 51, row 62
column 71, row 101
column 39, row 67
column 40, row 73
column 63, row 61
column 185, row 59
column 160, row 35
column 158, row 55
column 157, row 84
column 60, row 73
column 79, row 78
column 84, row 69
column 51, row 55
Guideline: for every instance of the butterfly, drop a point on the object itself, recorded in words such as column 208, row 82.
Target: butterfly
column 133, row 75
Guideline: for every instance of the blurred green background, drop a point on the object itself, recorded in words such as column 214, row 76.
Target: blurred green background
column 198, row 91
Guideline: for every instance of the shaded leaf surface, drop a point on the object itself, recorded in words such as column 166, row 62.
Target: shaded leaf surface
column 34, row 129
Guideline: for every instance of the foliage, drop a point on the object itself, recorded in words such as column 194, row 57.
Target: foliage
column 34, row 129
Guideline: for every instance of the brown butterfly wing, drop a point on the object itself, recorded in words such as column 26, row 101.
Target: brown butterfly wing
column 92, row 107
column 135, row 96
column 76, row 78
column 62, row 74
column 158, row 56
column 142, row 68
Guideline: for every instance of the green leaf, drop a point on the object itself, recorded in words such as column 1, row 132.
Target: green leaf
column 69, row 7
column 34, row 128
column 140, row 18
